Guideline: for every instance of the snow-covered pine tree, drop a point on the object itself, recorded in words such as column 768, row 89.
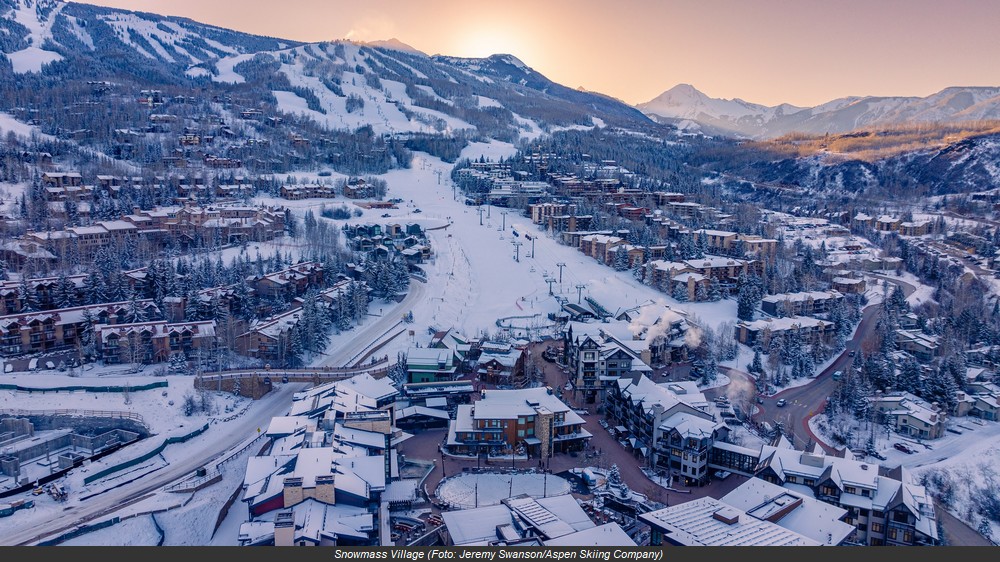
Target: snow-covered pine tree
column 620, row 262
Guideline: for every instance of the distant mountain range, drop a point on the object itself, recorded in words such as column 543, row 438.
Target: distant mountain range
column 686, row 107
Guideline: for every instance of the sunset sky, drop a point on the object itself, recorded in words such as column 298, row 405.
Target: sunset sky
column 803, row 52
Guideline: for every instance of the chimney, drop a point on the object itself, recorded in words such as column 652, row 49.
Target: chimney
column 284, row 528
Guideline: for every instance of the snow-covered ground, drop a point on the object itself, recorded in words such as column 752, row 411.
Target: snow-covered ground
column 191, row 516
column 962, row 465
column 469, row 490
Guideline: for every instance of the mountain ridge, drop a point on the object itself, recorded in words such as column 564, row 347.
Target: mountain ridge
column 736, row 117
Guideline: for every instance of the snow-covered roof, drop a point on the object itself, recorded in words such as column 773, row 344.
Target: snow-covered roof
column 354, row 436
column 609, row 534
column 286, row 425
column 711, row 522
column 782, row 324
column 421, row 411
column 690, row 425
column 645, row 391
column 477, row 525
column 315, row 520
column 508, row 404
column 812, row 518
column 714, row 262
column 803, row 296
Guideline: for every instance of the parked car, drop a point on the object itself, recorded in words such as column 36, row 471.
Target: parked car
column 781, row 402
column 902, row 447
column 878, row 455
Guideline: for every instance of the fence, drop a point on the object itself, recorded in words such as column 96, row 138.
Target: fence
column 77, row 388
column 144, row 458
column 75, row 414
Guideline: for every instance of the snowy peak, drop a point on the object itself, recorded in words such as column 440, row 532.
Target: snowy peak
column 740, row 118
column 395, row 45
column 684, row 101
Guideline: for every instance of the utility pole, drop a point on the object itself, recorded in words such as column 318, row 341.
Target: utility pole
column 480, row 209
column 517, row 250
column 503, row 222
column 532, row 247
column 579, row 292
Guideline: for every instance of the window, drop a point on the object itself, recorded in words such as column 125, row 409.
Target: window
column 793, row 479
column 828, row 490
column 877, row 542
column 864, row 512
column 900, row 517
column 866, row 493
column 850, row 490
column 892, row 533
column 907, row 536
column 877, row 527
column 862, row 526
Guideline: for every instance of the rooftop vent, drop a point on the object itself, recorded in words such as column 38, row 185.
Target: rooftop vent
column 727, row 515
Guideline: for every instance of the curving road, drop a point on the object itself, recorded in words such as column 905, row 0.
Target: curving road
column 806, row 401
column 343, row 356
column 217, row 440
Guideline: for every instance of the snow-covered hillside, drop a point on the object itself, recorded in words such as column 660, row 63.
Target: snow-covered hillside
column 738, row 117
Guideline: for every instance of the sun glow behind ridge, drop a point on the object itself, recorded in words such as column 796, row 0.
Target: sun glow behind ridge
column 482, row 41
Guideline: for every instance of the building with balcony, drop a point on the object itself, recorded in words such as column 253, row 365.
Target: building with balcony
column 501, row 421
column 886, row 507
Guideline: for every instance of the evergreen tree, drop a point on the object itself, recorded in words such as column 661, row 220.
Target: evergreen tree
column 65, row 293
column 620, row 262
column 909, row 377
column 27, row 296
column 95, row 291
column 680, row 292
column 756, row 365
column 714, row 291
column 700, row 293
column 134, row 311
column 88, row 347
column 711, row 370
column 940, row 387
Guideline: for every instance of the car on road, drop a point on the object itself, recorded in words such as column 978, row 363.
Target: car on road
column 852, row 353
column 902, row 447
column 781, row 402
column 837, row 375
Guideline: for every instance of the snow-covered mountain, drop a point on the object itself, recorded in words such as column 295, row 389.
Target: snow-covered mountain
column 387, row 85
column 740, row 118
